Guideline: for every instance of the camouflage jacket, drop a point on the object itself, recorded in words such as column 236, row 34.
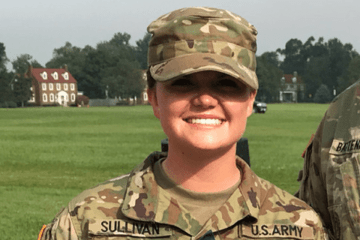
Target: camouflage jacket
column 330, row 179
column 134, row 206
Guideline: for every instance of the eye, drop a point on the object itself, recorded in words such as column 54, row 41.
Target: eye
column 227, row 82
column 181, row 82
column 180, row 85
column 229, row 85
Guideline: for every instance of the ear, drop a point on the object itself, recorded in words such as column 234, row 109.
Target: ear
column 251, row 102
column 153, row 101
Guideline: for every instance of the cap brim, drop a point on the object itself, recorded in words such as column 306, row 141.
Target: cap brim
column 198, row 62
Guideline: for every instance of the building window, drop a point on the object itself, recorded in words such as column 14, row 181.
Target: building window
column 72, row 87
column 58, row 86
column 65, row 75
column 51, row 86
column 44, row 97
column 43, row 86
column 44, row 75
column 66, row 97
column 65, row 86
column 55, row 75
column 52, row 97
column 73, row 97
column 145, row 96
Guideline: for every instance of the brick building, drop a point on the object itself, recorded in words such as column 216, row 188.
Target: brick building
column 292, row 88
column 52, row 86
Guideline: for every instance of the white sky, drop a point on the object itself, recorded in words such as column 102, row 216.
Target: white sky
column 37, row 27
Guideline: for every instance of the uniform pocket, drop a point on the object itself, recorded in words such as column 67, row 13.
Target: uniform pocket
column 341, row 223
column 345, row 213
column 303, row 177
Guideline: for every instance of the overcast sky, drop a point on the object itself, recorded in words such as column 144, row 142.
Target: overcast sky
column 37, row 27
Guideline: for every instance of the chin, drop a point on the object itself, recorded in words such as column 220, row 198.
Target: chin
column 211, row 145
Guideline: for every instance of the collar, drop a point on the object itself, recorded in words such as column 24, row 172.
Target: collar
column 144, row 200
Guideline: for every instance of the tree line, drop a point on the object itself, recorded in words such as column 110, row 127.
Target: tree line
column 112, row 67
column 115, row 66
column 324, row 67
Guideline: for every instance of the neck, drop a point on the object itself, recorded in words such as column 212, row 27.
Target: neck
column 202, row 170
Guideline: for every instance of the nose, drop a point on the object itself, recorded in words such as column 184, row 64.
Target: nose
column 205, row 100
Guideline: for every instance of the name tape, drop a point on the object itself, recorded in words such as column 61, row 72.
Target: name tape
column 278, row 231
column 111, row 227
column 342, row 147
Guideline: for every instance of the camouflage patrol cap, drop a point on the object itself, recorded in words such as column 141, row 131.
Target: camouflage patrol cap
column 191, row 40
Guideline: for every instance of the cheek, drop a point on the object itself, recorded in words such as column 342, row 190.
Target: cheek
column 171, row 105
column 239, row 113
column 239, row 109
column 169, row 110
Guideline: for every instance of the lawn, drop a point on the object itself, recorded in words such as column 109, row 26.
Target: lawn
column 49, row 155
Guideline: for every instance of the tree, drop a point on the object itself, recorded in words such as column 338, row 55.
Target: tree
column 113, row 66
column 21, row 89
column 322, row 94
column 120, row 39
column 22, row 63
column 319, row 63
column 5, row 77
column 316, row 73
column 293, row 58
column 22, row 84
column 6, row 95
column 3, row 58
column 70, row 55
column 340, row 56
column 269, row 76
column 351, row 76
column 75, row 59
column 141, row 50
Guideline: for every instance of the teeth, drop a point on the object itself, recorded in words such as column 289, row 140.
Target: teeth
column 206, row 121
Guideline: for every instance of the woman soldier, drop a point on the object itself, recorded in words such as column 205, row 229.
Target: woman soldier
column 202, row 85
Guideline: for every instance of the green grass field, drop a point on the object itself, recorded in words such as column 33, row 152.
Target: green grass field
column 49, row 155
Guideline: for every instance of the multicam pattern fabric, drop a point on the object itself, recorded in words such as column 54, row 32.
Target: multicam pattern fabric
column 191, row 40
column 330, row 179
column 134, row 206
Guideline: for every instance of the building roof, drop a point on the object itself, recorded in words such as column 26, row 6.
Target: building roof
column 289, row 77
column 55, row 75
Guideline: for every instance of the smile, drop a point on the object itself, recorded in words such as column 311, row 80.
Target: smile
column 204, row 121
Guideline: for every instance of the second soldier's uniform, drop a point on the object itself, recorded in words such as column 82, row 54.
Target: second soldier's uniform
column 330, row 179
column 135, row 206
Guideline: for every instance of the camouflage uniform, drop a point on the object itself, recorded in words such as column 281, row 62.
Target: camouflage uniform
column 134, row 206
column 330, row 177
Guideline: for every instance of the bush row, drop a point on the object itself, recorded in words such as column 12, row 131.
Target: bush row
column 9, row 104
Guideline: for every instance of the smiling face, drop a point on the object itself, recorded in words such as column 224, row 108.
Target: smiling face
column 206, row 110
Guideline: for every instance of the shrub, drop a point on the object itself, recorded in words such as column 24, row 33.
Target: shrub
column 82, row 100
column 8, row 104
column 122, row 103
column 11, row 104
column 323, row 94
